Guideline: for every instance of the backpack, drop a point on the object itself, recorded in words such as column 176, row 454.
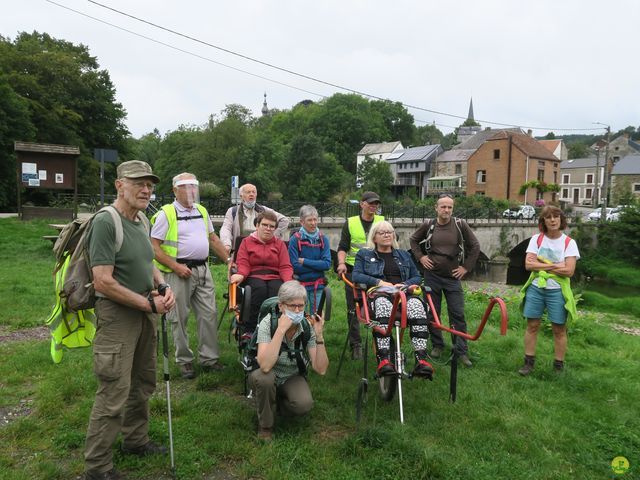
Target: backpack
column 72, row 256
column 541, row 237
column 426, row 243
column 270, row 307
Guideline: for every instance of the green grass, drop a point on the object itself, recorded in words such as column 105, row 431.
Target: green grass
column 503, row 426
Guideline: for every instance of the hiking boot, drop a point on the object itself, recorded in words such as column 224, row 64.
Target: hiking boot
column 465, row 360
column 529, row 362
column 385, row 367
column 558, row 366
column 110, row 475
column 356, row 351
column 213, row 367
column 436, row 352
column 187, row 371
column 423, row 369
column 265, row 434
column 148, row 448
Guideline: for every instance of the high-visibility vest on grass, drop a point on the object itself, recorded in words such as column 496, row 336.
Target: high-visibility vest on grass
column 358, row 237
column 170, row 243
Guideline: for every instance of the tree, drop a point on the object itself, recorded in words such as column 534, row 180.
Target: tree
column 550, row 136
column 428, row 135
column 376, row 176
column 68, row 99
column 540, row 186
column 578, row 150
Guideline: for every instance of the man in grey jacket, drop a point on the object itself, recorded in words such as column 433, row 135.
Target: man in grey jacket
column 239, row 219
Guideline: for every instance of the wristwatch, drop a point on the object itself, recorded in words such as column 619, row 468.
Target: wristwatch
column 162, row 287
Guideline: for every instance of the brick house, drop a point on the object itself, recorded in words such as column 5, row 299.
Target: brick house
column 507, row 160
column 557, row 147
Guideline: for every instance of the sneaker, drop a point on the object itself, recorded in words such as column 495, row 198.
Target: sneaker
column 558, row 366
column 465, row 360
column 148, row 448
column 356, row 352
column 436, row 352
column 385, row 367
column 213, row 367
column 423, row 369
column 265, row 434
column 187, row 371
column 110, row 475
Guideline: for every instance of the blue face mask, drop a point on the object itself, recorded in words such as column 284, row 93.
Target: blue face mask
column 296, row 317
column 250, row 204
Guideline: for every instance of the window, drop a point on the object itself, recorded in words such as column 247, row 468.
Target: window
column 541, row 175
column 481, row 176
column 458, row 168
column 555, row 177
column 636, row 188
column 589, row 178
column 565, row 178
column 565, row 193
column 587, row 193
column 540, row 164
column 496, row 154
column 615, row 159
column 480, row 192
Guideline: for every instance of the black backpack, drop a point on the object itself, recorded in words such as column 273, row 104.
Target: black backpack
column 270, row 307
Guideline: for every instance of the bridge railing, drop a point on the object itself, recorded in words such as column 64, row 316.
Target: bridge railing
column 327, row 212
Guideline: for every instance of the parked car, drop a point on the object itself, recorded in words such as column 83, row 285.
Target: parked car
column 595, row 215
column 614, row 216
column 523, row 211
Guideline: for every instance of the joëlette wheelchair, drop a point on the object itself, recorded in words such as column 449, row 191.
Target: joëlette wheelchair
column 389, row 384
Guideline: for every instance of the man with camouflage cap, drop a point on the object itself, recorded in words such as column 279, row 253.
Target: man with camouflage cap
column 127, row 304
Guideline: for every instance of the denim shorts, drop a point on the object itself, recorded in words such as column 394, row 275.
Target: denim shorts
column 538, row 298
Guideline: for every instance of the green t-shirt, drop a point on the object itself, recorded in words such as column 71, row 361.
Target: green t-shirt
column 133, row 264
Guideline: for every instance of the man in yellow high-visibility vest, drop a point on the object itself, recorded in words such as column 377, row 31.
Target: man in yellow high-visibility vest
column 181, row 236
column 353, row 238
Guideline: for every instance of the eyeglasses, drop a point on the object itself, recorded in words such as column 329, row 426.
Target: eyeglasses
column 385, row 233
column 268, row 226
column 295, row 306
column 140, row 184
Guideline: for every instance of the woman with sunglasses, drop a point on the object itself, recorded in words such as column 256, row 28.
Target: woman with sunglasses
column 263, row 264
column 383, row 264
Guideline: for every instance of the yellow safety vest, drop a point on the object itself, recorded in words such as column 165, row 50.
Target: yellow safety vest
column 170, row 242
column 358, row 237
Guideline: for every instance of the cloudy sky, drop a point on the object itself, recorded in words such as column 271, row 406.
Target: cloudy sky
column 546, row 64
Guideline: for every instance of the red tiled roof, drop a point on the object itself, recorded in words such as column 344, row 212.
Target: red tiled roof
column 529, row 145
column 550, row 145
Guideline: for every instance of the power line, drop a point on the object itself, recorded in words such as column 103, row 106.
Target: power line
column 288, row 71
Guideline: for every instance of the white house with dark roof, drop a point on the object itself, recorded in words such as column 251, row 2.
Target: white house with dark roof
column 582, row 181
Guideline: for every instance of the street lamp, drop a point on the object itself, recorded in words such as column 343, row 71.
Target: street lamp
column 607, row 174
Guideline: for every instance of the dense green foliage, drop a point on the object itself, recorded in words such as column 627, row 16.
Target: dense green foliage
column 52, row 91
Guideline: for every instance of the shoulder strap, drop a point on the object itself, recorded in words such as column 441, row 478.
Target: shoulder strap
column 234, row 211
column 540, row 238
column 567, row 240
column 117, row 224
column 458, row 222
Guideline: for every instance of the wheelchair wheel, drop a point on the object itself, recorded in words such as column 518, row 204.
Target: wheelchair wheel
column 324, row 307
column 388, row 384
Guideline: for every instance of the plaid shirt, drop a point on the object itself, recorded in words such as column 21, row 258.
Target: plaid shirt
column 285, row 366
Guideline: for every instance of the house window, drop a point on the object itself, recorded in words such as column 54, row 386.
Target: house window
column 555, row 177
column 616, row 158
column 481, row 176
column 480, row 192
column 539, row 195
column 458, row 168
column 540, row 164
column 496, row 154
column 636, row 188
column 565, row 193
column 587, row 193
column 565, row 178
column 589, row 178
column 541, row 175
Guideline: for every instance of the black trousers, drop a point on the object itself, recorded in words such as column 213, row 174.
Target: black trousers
column 260, row 291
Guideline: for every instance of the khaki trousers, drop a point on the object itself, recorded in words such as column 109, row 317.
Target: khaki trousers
column 293, row 396
column 197, row 292
column 124, row 361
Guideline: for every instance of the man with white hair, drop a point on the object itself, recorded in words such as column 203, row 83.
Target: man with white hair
column 239, row 219
column 181, row 236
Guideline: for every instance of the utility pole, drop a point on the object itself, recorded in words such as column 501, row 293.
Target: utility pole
column 596, row 190
column 607, row 174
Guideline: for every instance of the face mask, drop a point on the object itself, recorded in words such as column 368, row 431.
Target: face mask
column 250, row 204
column 296, row 317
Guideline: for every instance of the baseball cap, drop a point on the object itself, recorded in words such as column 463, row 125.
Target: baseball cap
column 136, row 169
column 370, row 197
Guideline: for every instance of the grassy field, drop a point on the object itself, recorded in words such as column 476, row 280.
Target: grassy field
column 503, row 426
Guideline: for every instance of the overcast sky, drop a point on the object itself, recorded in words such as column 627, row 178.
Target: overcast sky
column 546, row 63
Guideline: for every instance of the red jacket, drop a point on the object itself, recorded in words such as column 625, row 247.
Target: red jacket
column 267, row 261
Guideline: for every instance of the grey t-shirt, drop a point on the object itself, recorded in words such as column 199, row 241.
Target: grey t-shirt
column 133, row 264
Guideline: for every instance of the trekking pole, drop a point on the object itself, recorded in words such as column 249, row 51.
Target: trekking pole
column 399, row 368
column 165, row 361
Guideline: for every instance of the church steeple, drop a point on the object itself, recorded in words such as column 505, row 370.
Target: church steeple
column 470, row 116
column 265, row 108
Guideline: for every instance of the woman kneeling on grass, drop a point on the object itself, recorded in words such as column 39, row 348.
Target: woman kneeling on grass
column 280, row 382
column 551, row 258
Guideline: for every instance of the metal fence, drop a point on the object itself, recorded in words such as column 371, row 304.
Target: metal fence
column 327, row 212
